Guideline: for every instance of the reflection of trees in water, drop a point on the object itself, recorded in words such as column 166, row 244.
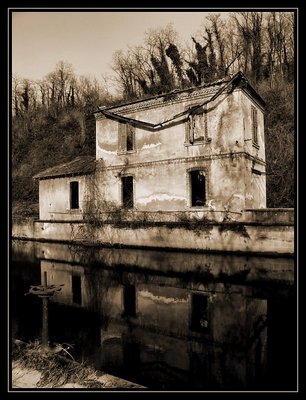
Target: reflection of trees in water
column 82, row 254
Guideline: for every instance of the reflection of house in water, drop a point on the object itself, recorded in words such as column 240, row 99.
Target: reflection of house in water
column 170, row 320
column 71, row 276
column 163, row 329
column 189, row 335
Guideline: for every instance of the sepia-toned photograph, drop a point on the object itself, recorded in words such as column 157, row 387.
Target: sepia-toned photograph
column 153, row 196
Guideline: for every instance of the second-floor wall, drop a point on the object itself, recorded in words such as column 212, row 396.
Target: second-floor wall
column 232, row 123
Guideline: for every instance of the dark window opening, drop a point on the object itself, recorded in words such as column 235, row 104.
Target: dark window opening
column 127, row 192
column 131, row 357
column 74, row 195
column 129, row 300
column 254, row 125
column 258, row 359
column 199, row 365
column 76, row 289
column 198, row 191
column 130, row 135
column 199, row 313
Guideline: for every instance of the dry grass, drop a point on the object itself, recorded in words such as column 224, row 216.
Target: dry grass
column 56, row 370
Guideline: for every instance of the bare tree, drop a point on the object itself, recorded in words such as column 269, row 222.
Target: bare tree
column 60, row 87
column 16, row 91
column 123, row 68
column 86, row 95
column 218, row 28
column 249, row 26
column 155, row 67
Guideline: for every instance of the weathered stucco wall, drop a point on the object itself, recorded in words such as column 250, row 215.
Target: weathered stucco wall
column 226, row 130
column 24, row 228
column 255, row 184
column 284, row 216
column 54, row 198
column 234, row 166
column 167, row 185
column 225, row 237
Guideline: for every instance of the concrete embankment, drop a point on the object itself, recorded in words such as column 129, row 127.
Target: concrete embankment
column 265, row 231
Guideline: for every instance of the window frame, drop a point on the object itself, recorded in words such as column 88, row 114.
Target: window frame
column 254, row 126
column 122, row 194
column 189, row 183
column 126, row 130
column 190, row 124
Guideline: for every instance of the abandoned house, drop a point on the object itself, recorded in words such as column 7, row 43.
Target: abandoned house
column 200, row 149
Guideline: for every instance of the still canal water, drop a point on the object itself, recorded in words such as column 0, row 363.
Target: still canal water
column 166, row 320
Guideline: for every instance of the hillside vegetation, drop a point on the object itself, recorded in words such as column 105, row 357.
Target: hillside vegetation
column 52, row 118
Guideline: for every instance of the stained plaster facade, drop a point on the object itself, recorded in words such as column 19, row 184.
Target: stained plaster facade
column 163, row 157
column 55, row 201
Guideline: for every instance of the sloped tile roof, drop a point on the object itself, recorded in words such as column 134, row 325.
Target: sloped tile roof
column 79, row 166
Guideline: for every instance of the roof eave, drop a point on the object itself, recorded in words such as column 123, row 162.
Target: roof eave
column 39, row 177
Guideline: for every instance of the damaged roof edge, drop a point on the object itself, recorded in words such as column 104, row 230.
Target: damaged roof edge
column 248, row 88
column 82, row 165
column 175, row 91
column 238, row 79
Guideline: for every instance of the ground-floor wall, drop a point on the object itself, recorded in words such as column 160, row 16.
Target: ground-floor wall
column 56, row 197
column 168, row 185
column 222, row 183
